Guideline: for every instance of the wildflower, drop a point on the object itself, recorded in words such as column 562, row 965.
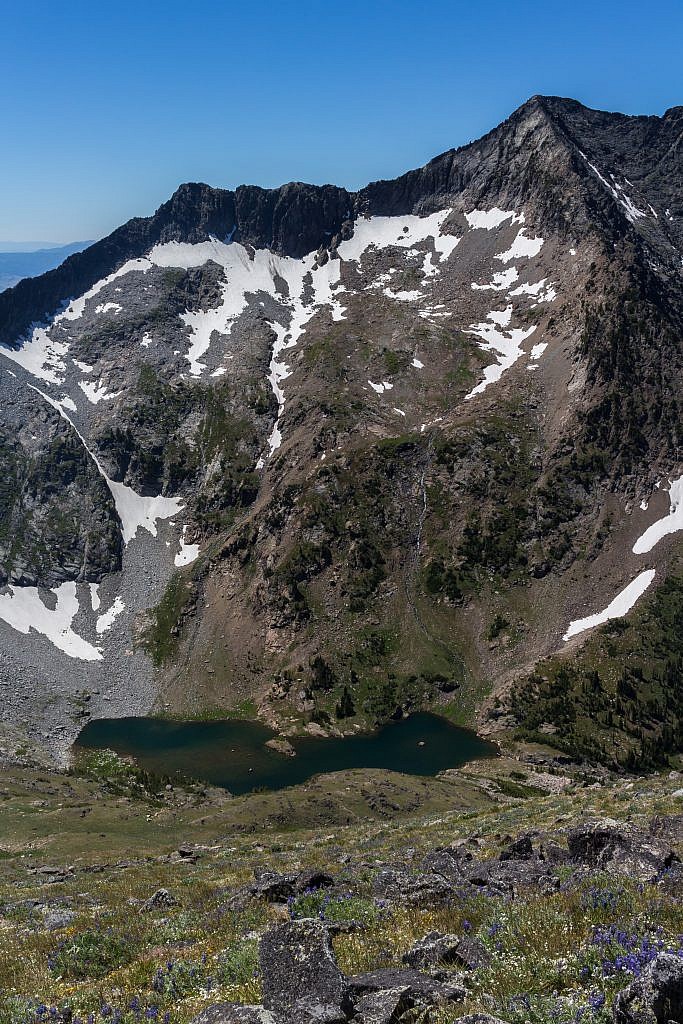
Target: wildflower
column 596, row 1000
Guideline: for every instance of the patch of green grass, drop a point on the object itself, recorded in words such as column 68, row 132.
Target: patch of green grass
column 162, row 637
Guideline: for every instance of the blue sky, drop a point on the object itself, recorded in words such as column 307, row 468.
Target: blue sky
column 108, row 105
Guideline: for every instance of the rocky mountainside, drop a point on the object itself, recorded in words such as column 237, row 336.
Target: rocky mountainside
column 338, row 455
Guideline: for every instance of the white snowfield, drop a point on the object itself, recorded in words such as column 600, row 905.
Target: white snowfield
column 502, row 280
column 671, row 523
column 40, row 356
column 24, row 610
column 521, row 247
column 309, row 288
column 621, row 604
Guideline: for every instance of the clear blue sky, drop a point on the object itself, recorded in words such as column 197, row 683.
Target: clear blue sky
column 107, row 105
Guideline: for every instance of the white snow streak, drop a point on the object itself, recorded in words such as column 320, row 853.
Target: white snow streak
column 621, row 604
column 671, row 523
column 136, row 511
column 106, row 621
column 618, row 194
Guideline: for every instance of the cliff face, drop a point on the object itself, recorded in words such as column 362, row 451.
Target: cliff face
column 349, row 453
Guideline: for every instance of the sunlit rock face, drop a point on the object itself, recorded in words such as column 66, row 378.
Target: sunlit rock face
column 309, row 446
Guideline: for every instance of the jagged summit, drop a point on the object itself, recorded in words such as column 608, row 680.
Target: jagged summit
column 297, row 218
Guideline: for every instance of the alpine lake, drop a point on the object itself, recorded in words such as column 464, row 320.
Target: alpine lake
column 233, row 754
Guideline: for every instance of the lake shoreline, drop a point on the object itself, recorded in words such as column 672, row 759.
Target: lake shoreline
column 243, row 755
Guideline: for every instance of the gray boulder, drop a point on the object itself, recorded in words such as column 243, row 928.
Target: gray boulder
column 55, row 918
column 386, row 1007
column 611, row 845
column 450, row 862
column 159, row 900
column 433, row 949
column 309, row 1011
column 479, row 1018
column 421, row 988
column 272, row 887
column 415, row 890
column 471, row 953
column 297, row 962
column 235, row 1013
column 656, row 997
column 520, row 849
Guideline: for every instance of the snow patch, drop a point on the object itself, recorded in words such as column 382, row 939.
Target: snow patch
column 23, row 609
column 507, row 346
column 621, row 604
column 488, row 219
column 404, row 232
column 521, row 247
column 502, row 280
column 96, row 393
column 187, row 553
column 501, row 317
column 106, row 621
column 671, row 523
column 40, row 356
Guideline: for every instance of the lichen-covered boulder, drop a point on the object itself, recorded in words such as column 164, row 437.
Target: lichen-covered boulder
column 615, row 846
column 656, row 997
column 298, row 963
column 235, row 1013
column 433, row 949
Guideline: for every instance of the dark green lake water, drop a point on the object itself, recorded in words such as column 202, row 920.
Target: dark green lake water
column 232, row 754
